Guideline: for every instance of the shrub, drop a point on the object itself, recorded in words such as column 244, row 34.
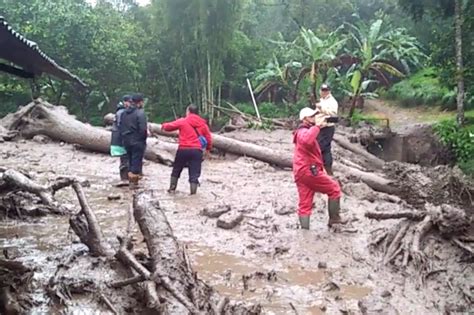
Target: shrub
column 423, row 88
column 459, row 140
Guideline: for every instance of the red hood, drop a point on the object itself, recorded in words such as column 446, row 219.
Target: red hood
column 195, row 120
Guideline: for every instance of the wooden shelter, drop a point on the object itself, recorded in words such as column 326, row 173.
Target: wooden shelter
column 26, row 60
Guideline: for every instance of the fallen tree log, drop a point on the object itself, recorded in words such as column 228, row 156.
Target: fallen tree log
column 171, row 269
column 226, row 144
column 42, row 118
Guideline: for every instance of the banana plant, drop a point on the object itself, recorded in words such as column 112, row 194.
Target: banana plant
column 379, row 53
column 276, row 77
column 320, row 55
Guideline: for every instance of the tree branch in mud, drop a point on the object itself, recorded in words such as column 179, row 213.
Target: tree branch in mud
column 404, row 240
column 86, row 226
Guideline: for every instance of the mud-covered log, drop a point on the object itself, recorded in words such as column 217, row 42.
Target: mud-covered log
column 13, row 180
column 372, row 160
column 42, row 118
column 171, row 269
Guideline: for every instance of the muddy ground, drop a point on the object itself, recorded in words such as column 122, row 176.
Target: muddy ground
column 266, row 259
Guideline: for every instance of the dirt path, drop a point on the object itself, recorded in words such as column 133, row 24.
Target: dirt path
column 266, row 259
column 402, row 117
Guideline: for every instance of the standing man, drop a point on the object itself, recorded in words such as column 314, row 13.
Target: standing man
column 327, row 106
column 308, row 170
column 194, row 139
column 116, row 144
column 133, row 128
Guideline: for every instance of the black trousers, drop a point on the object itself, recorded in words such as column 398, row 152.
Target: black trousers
column 135, row 153
column 325, row 139
column 193, row 159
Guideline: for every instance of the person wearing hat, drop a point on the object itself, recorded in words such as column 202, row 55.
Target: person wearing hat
column 134, row 132
column 116, row 145
column 327, row 106
column 308, row 169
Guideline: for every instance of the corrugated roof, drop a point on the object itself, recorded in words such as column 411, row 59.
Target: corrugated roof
column 25, row 53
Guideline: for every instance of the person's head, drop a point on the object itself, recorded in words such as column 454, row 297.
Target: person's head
column 324, row 91
column 127, row 100
column 307, row 115
column 192, row 109
column 137, row 100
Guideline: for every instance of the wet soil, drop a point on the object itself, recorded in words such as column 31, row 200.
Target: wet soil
column 266, row 259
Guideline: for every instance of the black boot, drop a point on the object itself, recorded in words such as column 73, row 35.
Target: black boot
column 173, row 184
column 194, row 187
column 124, row 173
column 328, row 168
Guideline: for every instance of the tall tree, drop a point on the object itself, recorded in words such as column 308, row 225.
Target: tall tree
column 453, row 9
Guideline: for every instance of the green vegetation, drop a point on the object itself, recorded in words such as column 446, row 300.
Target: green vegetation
column 425, row 88
column 459, row 140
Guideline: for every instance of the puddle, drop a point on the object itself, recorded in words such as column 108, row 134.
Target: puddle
column 274, row 286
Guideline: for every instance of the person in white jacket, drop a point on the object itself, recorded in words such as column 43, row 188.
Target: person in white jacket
column 327, row 106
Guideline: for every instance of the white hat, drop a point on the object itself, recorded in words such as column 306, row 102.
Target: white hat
column 307, row 112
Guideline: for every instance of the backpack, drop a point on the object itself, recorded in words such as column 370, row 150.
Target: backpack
column 201, row 139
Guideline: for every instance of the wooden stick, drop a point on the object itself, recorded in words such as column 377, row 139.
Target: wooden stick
column 253, row 100
column 107, row 302
column 129, row 281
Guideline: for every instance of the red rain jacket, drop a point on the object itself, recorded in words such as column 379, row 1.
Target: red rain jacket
column 307, row 151
column 188, row 139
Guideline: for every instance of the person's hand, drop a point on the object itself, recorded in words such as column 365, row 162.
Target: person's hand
column 320, row 120
column 206, row 155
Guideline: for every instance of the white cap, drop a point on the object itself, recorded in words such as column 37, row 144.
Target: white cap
column 307, row 112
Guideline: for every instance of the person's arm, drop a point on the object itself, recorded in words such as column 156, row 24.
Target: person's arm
column 208, row 136
column 142, row 123
column 308, row 136
column 172, row 126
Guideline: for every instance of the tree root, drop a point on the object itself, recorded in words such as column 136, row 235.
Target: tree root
column 405, row 239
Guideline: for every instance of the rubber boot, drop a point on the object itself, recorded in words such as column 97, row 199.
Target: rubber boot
column 133, row 180
column 334, row 208
column 173, row 184
column 124, row 173
column 304, row 222
column 194, row 187
column 328, row 168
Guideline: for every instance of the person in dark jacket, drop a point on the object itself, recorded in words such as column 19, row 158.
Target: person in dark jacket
column 116, row 145
column 134, row 132
column 309, row 172
column 194, row 139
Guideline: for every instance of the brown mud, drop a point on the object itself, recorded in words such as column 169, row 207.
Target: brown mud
column 266, row 259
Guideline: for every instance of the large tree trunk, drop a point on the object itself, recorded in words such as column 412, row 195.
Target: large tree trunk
column 43, row 118
column 458, row 19
column 184, row 292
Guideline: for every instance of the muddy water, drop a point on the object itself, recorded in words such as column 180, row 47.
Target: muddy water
column 271, row 284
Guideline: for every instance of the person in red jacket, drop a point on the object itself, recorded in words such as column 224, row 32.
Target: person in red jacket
column 308, row 170
column 194, row 139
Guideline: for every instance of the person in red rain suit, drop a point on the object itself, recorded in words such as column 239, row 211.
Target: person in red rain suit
column 308, row 170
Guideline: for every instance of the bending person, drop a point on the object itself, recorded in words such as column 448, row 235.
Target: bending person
column 194, row 139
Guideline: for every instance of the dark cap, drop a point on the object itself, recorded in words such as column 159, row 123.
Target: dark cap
column 325, row 87
column 136, row 98
column 127, row 98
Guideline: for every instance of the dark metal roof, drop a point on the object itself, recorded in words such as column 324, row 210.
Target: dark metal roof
column 26, row 54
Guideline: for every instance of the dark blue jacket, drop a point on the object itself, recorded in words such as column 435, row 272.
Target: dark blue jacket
column 133, row 126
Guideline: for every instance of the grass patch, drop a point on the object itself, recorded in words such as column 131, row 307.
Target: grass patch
column 422, row 88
